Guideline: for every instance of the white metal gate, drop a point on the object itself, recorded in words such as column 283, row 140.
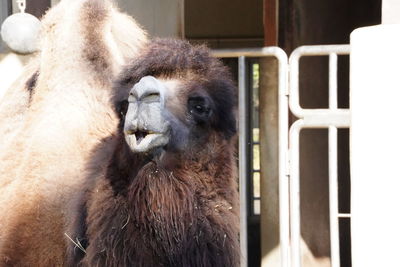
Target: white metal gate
column 289, row 177
column 331, row 118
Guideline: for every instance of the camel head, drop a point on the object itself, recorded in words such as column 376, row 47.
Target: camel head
column 178, row 98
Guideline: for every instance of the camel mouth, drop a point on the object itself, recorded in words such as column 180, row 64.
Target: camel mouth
column 142, row 141
column 140, row 135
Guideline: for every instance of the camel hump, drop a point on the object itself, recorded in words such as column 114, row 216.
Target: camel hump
column 80, row 36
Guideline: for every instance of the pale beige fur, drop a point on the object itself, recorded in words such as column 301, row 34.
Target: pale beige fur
column 13, row 106
column 44, row 156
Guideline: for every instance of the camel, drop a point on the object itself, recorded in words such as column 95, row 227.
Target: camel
column 168, row 196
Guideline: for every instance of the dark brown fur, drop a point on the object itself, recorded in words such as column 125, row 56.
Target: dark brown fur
column 178, row 209
column 94, row 16
column 31, row 84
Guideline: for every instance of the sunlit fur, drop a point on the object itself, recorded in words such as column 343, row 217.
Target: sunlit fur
column 14, row 104
column 60, row 117
column 179, row 207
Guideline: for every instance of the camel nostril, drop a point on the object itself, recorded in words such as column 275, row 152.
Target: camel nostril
column 151, row 96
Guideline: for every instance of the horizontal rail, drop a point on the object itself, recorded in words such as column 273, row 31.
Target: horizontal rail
column 251, row 52
column 337, row 118
column 319, row 50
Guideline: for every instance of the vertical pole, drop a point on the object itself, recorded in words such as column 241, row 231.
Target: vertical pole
column 333, row 59
column 269, row 160
column 294, row 156
column 294, row 169
column 284, row 210
column 333, row 198
column 243, row 159
column 269, row 138
column 333, row 166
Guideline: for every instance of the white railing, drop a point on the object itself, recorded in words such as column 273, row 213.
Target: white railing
column 331, row 118
column 289, row 176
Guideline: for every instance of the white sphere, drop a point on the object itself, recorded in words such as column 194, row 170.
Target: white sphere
column 20, row 32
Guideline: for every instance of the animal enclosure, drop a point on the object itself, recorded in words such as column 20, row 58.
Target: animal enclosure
column 299, row 23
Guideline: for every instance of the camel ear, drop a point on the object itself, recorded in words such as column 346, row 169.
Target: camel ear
column 227, row 125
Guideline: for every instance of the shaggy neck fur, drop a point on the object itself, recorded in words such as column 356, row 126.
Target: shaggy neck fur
column 175, row 210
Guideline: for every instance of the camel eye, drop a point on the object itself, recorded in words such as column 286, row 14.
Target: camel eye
column 199, row 108
column 122, row 108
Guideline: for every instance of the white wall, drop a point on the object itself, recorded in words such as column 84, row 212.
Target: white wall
column 390, row 11
column 161, row 18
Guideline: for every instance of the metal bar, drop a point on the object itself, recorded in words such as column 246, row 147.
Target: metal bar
column 333, row 197
column 295, row 235
column 333, row 166
column 326, row 119
column 333, row 59
column 294, row 136
column 222, row 39
column 321, row 50
column 284, row 206
column 243, row 159
column 270, row 51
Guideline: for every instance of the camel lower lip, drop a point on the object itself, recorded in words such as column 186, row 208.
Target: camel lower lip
column 147, row 142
